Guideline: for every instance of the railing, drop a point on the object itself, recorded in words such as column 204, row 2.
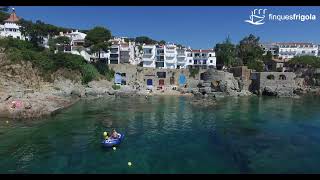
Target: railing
column 181, row 59
column 114, row 58
column 147, row 55
column 114, row 51
column 170, row 51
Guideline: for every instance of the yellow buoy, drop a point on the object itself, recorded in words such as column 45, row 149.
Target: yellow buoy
column 114, row 148
column 105, row 133
column 129, row 163
column 7, row 122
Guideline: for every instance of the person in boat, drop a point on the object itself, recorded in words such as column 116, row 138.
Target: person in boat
column 114, row 134
column 106, row 135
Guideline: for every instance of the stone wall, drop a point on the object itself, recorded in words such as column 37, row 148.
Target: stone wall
column 274, row 83
column 140, row 75
column 241, row 71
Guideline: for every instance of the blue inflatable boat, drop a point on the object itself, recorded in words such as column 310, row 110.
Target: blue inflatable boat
column 113, row 142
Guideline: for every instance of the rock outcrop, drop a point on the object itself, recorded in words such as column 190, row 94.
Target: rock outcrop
column 220, row 83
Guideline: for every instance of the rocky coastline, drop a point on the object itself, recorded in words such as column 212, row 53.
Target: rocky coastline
column 24, row 94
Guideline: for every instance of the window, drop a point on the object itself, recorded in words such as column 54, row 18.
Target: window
column 161, row 74
column 270, row 77
column 303, row 52
column 282, row 77
column 211, row 61
column 209, row 55
column 190, row 61
column 147, row 51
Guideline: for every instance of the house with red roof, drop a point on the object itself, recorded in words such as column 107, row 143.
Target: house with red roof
column 10, row 28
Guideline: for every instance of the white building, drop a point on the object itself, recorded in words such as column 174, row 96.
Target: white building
column 272, row 47
column 181, row 58
column 290, row 50
column 203, row 59
column 189, row 58
column 170, row 56
column 149, row 55
column 159, row 57
column 10, row 28
column 114, row 54
column 77, row 38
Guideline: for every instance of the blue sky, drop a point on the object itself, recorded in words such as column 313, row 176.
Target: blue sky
column 198, row 27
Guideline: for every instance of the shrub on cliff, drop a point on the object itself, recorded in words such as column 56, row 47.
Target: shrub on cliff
column 89, row 73
column 305, row 61
column 193, row 72
column 104, row 69
column 47, row 61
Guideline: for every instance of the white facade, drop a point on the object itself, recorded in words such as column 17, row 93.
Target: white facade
column 212, row 60
column 181, row 58
column 160, row 57
column 114, row 54
column 189, row 58
column 149, row 55
column 203, row 58
column 10, row 28
column 77, row 38
column 290, row 50
column 170, row 56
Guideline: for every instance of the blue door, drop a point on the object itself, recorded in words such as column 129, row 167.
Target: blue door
column 149, row 82
column 182, row 79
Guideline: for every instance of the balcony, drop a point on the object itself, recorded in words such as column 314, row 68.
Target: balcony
column 114, row 50
column 200, row 57
column 160, row 59
column 147, row 59
column 181, row 55
column 181, row 59
column 147, row 55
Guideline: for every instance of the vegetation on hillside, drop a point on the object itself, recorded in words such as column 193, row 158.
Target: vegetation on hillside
column 3, row 16
column 97, row 39
column 248, row 52
column 305, row 61
column 193, row 72
column 225, row 53
column 48, row 62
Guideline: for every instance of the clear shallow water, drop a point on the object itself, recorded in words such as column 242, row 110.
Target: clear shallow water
column 168, row 135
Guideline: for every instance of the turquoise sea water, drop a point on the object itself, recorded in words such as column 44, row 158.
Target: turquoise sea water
column 169, row 135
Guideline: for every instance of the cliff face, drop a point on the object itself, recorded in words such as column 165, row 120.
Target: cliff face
column 26, row 93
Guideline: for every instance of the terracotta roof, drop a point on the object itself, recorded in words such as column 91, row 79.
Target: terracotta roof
column 13, row 17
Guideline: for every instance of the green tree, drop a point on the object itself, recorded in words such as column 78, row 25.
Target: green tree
column 249, row 50
column 4, row 8
column 305, row 61
column 267, row 57
column 225, row 52
column 162, row 42
column 145, row 39
column 62, row 40
column 97, row 39
column 3, row 16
